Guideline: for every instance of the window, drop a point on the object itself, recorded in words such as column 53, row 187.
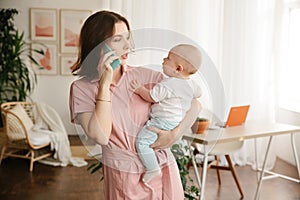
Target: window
column 289, row 76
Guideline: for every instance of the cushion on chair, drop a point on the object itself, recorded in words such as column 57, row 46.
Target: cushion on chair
column 38, row 138
column 16, row 131
column 221, row 148
column 226, row 148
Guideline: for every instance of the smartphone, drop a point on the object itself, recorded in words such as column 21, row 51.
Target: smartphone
column 116, row 62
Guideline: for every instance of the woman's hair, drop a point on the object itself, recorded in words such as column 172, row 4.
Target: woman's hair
column 96, row 29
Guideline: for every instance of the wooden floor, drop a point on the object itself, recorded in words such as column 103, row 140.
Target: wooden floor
column 69, row 183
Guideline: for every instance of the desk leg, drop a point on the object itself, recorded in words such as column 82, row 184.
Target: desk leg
column 195, row 165
column 256, row 162
column 263, row 169
column 204, row 171
column 295, row 154
column 274, row 174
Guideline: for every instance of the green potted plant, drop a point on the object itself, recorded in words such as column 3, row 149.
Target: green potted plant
column 16, row 79
column 191, row 191
column 200, row 125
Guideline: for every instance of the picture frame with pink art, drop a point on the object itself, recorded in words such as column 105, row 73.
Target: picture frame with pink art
column 47, row 62
column 66, row 64
column 71, row 22
column 43, row 24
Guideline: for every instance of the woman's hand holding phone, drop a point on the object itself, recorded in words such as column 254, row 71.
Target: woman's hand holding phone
column 105, row 71
column 108, row 62
column 115, row 59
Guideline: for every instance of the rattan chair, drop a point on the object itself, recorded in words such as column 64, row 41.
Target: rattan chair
column 18, row 120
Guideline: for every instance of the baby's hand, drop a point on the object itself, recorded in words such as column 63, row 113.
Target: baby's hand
column 135, row 85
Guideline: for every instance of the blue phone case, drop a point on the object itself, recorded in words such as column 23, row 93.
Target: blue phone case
column 116, row 62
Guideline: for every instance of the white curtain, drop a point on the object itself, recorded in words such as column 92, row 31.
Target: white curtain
column 200, row 20
column 238, row 35
column 251, row 54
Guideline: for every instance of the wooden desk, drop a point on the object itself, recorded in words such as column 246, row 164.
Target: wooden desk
column 250, row 130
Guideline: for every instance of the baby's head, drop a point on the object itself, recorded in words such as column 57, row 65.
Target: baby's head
column 188, row 56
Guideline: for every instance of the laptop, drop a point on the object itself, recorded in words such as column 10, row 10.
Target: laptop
column 237, row 116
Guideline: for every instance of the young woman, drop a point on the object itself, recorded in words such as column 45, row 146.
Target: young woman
column 102, row 102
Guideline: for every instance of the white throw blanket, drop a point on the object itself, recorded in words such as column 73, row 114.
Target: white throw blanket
column 49, row 122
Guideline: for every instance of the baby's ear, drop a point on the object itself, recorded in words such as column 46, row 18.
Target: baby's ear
column 179, row 68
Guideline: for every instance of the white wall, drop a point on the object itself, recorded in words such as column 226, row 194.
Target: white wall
column 53, row 90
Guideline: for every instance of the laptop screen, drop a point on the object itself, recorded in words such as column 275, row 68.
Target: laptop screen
column 237, row 115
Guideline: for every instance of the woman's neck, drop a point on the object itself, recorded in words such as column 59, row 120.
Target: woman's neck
column 117, row 75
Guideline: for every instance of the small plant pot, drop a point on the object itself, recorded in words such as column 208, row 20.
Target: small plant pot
column 200, row 127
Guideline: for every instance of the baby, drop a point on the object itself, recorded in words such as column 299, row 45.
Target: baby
column 171, row 97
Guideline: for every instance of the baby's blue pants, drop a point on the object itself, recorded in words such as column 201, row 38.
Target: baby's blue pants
column 146, row 137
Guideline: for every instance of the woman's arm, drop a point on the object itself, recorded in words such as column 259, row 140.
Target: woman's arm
column 97, row 134
column 167, row 138
column 98, row 125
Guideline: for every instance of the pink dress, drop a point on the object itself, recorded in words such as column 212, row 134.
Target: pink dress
column 123, row 171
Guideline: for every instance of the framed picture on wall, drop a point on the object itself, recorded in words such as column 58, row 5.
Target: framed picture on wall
column 43, row 24
column 71, row 22
column 48, row 61
column 66, row 64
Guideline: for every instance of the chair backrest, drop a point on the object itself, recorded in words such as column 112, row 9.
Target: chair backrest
column 18, row 119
